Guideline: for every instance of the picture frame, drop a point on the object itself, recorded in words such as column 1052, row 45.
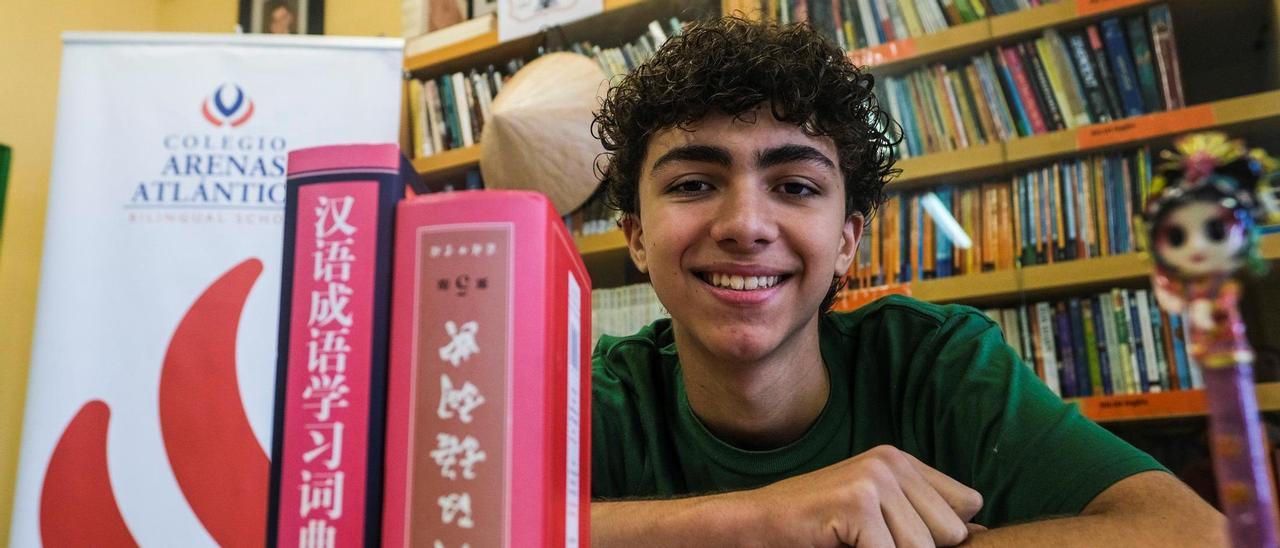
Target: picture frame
column 282, row 16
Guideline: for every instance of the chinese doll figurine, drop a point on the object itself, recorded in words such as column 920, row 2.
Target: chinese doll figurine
column 1201, row 218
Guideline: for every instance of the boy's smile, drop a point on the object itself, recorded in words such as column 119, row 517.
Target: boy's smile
column 741, row 228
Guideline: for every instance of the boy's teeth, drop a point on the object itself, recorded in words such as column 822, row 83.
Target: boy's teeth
column 742, row 283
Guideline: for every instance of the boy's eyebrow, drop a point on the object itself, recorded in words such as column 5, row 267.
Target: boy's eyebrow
column 792, row 153
column 695, row 153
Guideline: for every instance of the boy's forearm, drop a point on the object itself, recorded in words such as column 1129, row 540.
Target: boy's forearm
column 1101, row 530
column 723, row 519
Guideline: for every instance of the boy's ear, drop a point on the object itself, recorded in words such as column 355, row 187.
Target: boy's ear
column 635, row 241
column 850, row 235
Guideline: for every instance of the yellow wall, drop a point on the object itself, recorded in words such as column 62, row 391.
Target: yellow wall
column 30, row 50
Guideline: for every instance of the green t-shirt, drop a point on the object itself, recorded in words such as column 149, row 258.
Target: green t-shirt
column 936, row 381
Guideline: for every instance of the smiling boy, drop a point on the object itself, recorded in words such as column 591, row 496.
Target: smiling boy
column 745, row 160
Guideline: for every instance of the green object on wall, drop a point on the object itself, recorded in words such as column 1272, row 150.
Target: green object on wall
column 6, row 157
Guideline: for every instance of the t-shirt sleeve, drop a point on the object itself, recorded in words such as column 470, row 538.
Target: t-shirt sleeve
column 999, row 429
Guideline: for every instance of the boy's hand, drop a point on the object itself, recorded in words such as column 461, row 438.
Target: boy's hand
column 883, row 497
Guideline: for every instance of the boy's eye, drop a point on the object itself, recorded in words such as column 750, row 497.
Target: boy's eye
column 691, row 186
column 796, row 188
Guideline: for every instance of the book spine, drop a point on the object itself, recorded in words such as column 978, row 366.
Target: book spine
column 459, row 439
column 870, row 23
column 1155, row 334
column 332, row 351
column 1094, row 94
column 454, row 133
column 1121, row 351
column 1140, row 46
column 1085, row 357
column 1042, row 87
column 1024, row 88
column 1045, row 317
column 1074, row 91
column 1166, row 54
column 1122, row 65
column 1105, row 74
column 1143, row 356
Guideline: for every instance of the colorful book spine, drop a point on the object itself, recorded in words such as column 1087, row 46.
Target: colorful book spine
column 327, row 447
column 1166, row 56
column 488, row 440
column 1144, row 62
column 1094, row 93
column 1122, row 65
column 1106, row 75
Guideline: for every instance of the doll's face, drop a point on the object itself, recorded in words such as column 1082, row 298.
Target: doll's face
column 1201, row 238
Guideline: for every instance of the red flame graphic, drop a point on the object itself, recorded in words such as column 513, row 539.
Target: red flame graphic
column 219, row 465
column 77, row 505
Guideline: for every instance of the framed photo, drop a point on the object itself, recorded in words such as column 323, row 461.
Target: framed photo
column 282, row 16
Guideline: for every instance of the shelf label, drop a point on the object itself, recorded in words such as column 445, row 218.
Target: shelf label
column 884, row 53
column 1144, row 127
column 1090, row 7
column 1144, row 406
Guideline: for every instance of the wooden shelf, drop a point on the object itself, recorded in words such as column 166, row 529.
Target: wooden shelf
column 604, row 242
column 1164, row 405
column 486, row 42
column 996, row 158
column 985, row 33
column 450, row 164
column 1058, row 278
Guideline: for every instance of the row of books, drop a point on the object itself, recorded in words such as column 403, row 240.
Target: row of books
column 1118, row 68
column 620, row 60
column 1072, row 209
column 621, row 311
column 1117, row 342
column 856, row 24
column 450, row 111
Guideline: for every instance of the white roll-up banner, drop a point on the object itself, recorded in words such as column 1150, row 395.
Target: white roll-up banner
column 148, row 416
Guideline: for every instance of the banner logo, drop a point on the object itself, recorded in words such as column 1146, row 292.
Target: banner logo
column 229, row 109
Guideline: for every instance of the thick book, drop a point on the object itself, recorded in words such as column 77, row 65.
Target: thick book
column 326, row 452
column 1084, row 350
column 1123, row 69
column 1166, row 56
column 488, row 407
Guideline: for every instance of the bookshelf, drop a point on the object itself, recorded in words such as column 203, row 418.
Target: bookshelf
column 1052, row 279
column 1247, row 112
column 984, row 33
column 1164, row 405
column 1228, row 90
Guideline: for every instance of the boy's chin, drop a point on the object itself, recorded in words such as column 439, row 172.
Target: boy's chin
column 743, row 346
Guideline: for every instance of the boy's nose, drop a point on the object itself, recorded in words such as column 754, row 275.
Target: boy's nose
column 744, row 220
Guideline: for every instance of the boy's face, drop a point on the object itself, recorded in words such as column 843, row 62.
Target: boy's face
column 741, row 228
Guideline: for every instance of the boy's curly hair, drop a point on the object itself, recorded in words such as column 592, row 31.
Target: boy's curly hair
column 731, row 65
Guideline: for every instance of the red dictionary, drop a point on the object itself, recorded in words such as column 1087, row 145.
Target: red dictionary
column 488, row 440
column 327, row 445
